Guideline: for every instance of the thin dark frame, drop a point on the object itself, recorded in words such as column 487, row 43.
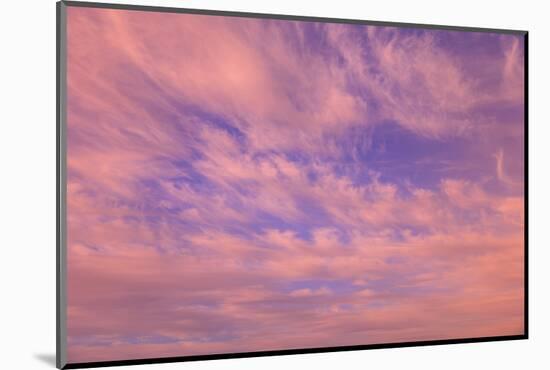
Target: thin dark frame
column 61, row 155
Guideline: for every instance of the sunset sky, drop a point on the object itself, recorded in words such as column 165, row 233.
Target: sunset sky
column 240, row 184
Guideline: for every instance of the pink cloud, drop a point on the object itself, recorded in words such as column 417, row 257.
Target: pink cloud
column 425, row 87
column 219, row 199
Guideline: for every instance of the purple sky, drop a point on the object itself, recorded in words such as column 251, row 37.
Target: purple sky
column 250, row 184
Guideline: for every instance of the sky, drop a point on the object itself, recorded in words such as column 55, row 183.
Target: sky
column 239, row 184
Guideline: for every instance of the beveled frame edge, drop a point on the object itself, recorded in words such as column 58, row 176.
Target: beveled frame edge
column 227, row 13
column 61, row 195
column 61, row 185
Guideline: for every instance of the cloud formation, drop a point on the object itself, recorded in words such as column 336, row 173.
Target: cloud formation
column 245, row 184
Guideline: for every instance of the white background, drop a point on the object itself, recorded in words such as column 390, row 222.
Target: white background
column 27, row 186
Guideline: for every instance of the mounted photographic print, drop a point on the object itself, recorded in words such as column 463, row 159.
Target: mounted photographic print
column 236, row 184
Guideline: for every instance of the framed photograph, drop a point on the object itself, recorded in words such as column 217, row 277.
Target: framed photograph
column 235, row 184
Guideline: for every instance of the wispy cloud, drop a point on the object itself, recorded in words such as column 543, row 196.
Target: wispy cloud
column 240, row 184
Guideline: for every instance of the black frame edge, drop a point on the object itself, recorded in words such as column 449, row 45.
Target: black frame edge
column 242, row 14
column 61, row 362
column 526, row 181
column 301, row 351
